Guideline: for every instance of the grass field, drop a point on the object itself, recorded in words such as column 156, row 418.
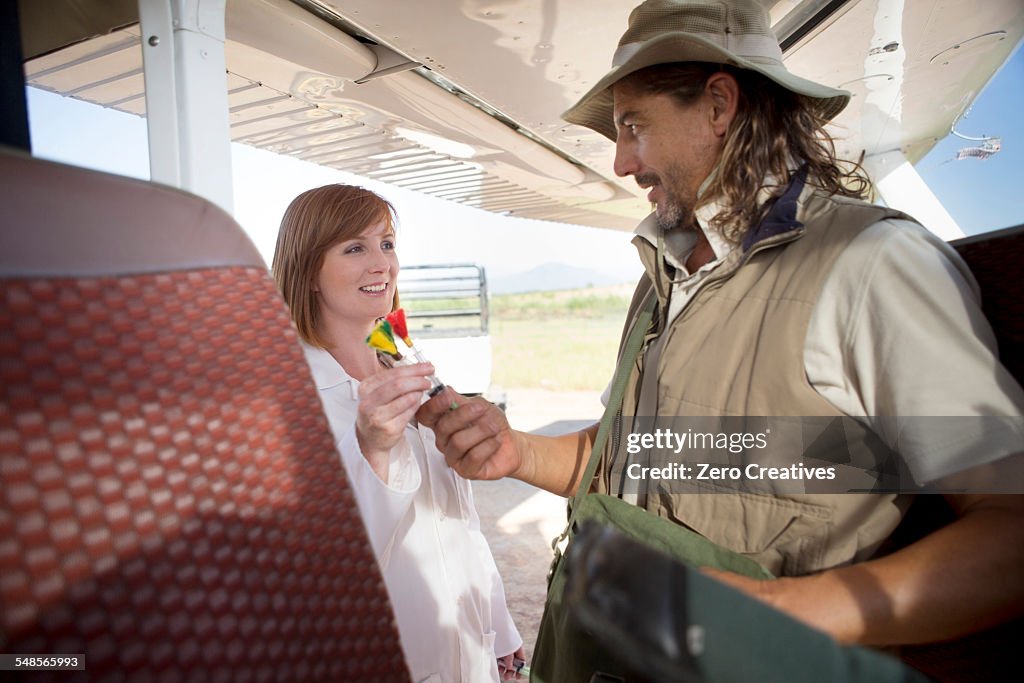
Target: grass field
column 563, row 340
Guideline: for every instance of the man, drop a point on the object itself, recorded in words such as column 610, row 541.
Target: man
column 781, row 293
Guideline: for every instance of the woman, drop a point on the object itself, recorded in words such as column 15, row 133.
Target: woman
column 336, row 265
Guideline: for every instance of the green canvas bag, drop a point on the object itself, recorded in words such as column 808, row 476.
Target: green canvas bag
column 746, row 640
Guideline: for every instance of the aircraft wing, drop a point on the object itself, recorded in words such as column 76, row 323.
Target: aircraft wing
column 462, row 100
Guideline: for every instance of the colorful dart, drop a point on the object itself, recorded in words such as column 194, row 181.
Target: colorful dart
column 382, row 338
column 397, row 320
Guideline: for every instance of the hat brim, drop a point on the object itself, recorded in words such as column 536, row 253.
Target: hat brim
column 594, row 109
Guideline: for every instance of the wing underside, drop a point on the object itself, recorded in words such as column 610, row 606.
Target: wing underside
column 461, row 100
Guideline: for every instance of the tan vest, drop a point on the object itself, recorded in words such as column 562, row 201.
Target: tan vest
column 737, row 350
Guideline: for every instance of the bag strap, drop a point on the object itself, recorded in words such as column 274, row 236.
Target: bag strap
column 629, row 355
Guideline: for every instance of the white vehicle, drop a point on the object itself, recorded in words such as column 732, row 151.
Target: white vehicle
column 447, row 308
column 171, row 508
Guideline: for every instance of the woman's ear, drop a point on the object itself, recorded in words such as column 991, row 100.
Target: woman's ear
column 724, row 92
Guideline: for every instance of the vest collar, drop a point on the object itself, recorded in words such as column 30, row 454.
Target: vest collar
column 781, row 217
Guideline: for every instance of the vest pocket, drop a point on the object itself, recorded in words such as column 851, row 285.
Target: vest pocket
column 786, row 536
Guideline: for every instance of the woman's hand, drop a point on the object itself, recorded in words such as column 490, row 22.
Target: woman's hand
column 509, row 666
column 387, row 401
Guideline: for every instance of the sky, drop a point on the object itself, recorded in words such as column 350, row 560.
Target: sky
column 984, row 194
column 981, row 195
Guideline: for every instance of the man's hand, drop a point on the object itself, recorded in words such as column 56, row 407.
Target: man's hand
column 478, row 443
column 475, row 436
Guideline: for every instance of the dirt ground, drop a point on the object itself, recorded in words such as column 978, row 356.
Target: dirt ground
column 519, row 520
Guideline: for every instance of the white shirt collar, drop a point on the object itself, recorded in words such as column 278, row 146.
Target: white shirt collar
column 679, row 243
column 327, row 372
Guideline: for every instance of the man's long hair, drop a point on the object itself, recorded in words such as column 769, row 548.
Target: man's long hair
column 775, row 132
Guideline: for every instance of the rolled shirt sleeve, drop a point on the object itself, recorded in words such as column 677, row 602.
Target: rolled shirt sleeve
column 383, row 505
column 898, row 332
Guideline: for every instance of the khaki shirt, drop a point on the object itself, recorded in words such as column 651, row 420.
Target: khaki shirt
column 802, row 533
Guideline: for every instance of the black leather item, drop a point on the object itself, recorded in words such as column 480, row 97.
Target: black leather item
column 633, row 601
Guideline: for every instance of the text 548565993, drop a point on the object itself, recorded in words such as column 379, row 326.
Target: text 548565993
column 42, row 662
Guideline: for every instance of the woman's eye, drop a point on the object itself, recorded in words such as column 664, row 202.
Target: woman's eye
column 354, row 249
column 387, row 244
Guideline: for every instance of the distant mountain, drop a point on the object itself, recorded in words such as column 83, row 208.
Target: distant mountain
column 551, row 276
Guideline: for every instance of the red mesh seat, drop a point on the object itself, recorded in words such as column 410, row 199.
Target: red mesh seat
column 172, row 503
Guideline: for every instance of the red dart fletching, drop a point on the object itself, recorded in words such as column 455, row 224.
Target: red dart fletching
column 397, row 320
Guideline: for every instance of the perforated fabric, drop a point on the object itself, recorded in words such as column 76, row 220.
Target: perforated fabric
column 707, row 19
column 172, row 501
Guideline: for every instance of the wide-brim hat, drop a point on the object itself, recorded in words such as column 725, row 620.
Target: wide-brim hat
column 737, row 32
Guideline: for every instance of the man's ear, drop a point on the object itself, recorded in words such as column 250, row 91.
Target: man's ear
column 724, row 92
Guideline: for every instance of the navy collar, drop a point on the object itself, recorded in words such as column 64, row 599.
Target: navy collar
column 781, row 217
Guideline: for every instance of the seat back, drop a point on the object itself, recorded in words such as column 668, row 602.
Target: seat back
column 995, row 259
column 990, row 655
column 172, row 504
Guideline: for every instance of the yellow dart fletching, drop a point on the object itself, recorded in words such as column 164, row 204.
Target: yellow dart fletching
column 381, row 339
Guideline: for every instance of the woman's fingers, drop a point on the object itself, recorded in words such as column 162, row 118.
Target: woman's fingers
column 397, row 410
column 387, row 401
column 389, row 384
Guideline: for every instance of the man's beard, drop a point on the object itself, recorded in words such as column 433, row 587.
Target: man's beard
column 672, row 213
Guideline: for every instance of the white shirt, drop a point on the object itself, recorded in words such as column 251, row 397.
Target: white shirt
column 897, row 331
column 448, row 598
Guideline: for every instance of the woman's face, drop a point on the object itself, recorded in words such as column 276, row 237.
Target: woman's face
column 357, row 280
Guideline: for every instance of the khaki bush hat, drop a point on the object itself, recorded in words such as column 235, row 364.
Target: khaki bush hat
column 736, row 32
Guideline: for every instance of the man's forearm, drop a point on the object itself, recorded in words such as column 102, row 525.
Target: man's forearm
column 555, row 464
column 963, row 578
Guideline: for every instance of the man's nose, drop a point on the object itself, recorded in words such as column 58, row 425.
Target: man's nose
column 625, row 160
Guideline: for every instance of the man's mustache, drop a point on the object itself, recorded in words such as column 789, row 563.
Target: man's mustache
column 647, row 179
